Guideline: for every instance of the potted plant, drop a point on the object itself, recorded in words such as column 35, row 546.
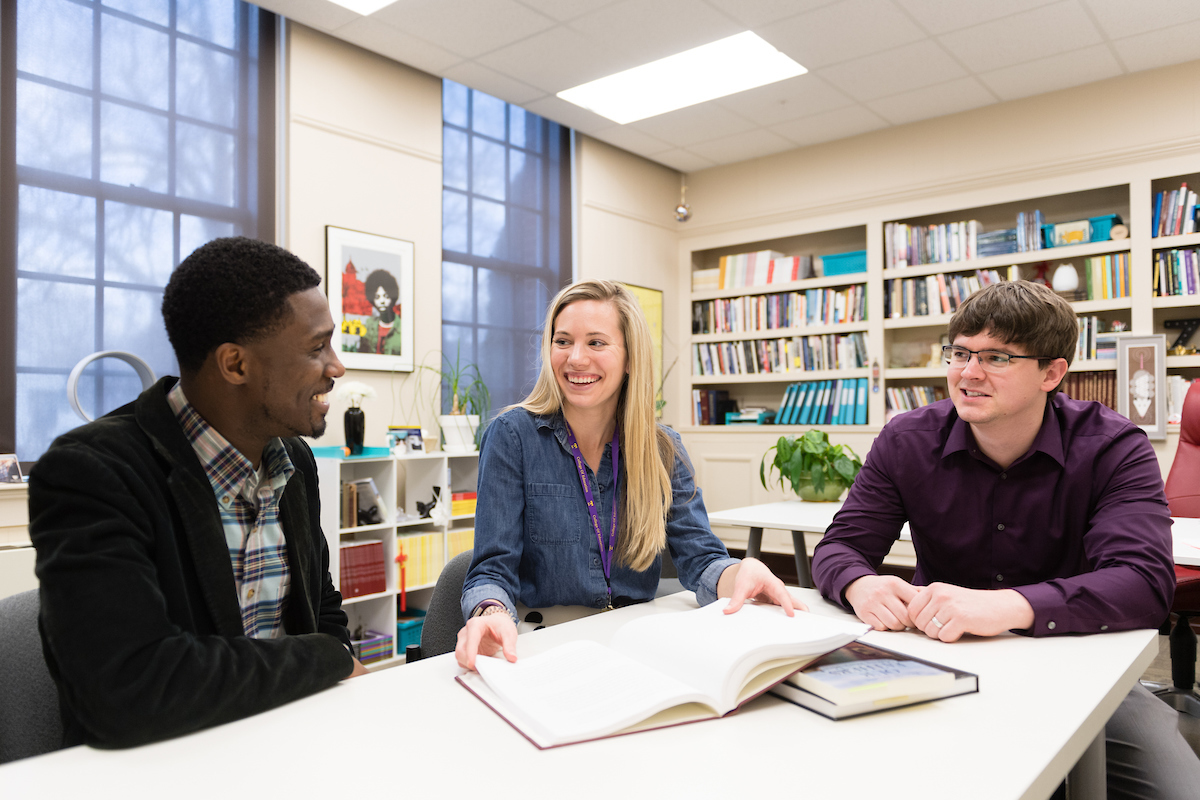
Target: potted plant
column 469, row 400
column 816, row 469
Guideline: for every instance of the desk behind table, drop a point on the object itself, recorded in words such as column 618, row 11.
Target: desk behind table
column 413, row 731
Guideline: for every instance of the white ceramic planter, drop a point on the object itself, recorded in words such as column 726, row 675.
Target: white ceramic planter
column 458, row 432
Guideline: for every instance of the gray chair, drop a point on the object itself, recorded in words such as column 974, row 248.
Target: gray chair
column 29, row 719
column 444, row 618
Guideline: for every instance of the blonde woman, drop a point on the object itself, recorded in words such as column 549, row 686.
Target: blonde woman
column 580, row 489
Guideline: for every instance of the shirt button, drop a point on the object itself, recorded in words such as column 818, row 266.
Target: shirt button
column 1000, row 527
column 250, row 594
column 1050, row 625
column 1103, row 627
column 226, row 500
column 999, row 579
column 595, row 562
column 1003, row 476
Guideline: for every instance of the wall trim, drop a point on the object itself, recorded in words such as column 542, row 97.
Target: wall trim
column 349, row 133
column 620, row 212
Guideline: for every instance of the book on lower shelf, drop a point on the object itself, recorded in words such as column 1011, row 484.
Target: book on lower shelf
column 658, row 671
column 460, row 540
column 361, row 569
column 862, row 679
column 423, row 558
column 462, row 503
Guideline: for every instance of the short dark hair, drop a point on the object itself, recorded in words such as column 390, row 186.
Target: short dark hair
column 230, row 290
column 381, row 277
column 1024, row 313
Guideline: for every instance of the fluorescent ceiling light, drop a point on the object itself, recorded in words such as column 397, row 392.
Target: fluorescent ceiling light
column 363, row 7
column 703, row 73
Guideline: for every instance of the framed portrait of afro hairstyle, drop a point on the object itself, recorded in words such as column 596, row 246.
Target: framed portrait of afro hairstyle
column 369, row 279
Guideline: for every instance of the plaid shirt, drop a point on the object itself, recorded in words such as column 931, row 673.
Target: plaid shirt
column 249, row 505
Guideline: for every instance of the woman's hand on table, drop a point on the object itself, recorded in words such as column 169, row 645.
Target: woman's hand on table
column 753, row 580
column 486, row 635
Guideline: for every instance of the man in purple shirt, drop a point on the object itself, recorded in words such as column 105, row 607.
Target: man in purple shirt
column 1029, row 512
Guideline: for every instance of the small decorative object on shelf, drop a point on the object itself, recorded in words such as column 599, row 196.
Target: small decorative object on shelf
column 469, row 401
column 1066, row 279
column 816, row 469
column 355, row 419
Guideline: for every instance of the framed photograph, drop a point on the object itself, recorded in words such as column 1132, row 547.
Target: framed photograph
column 651, row 301
column 369, row 279
column 10, row 468
column 1142, row 382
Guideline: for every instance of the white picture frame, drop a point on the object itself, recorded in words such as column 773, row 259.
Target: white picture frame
column 1142, row 382
column 354, row 262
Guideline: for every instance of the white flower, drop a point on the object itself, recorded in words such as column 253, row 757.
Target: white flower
column 354, row 391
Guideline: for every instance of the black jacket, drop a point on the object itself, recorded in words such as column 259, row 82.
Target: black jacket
column 140, row 619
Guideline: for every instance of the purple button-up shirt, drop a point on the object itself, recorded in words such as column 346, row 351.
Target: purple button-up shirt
column 1079, row 525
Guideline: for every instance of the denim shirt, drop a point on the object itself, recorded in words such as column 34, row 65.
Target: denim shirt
column 534, row 540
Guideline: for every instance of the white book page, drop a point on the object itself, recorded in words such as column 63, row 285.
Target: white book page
column 581, row 690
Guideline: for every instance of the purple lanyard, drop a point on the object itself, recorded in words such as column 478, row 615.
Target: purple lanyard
column 606, row 555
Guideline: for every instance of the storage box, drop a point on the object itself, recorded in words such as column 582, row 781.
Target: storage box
column 845, row 263
column 1102, row 226
column 408, row 628
column 374, row 646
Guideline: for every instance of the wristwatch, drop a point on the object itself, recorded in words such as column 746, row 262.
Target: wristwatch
column 488, row 607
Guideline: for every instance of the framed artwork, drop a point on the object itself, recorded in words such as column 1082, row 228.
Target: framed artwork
column 10, row 468
column 651, row 301
column 369, row 279
column 1142, row 382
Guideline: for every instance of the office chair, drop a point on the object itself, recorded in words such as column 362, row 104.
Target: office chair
column 1183, row 496
column 444, row 618
column 29, row 720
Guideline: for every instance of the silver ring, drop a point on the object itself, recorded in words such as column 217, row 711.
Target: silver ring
column 935, row 622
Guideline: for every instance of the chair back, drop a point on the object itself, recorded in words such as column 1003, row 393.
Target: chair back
column 1183, row 481
column 444, row 618
column 29, row 719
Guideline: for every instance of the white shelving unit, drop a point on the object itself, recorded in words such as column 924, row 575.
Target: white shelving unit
column 402, row 481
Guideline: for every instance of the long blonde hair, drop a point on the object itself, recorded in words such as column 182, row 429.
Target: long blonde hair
column 648, row 452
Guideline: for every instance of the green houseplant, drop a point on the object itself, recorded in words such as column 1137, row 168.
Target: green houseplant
column 815, row 468
column 468, row 398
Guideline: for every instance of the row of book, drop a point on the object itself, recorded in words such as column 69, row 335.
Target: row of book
column 933, row 294
column 709, row 406
column 361, row 568
column 462, row 503
column 1177, row 272
column 1106, row 277
column 1098, row 386
column 1174, row 212
column 760, row 268
column 459, row 540
column 423, row 558
column 909, row 245
column 842, row 401
column 1029, row 231
column 1093, row 344
column 906, row 398
column 757, row 356
column 766, row 312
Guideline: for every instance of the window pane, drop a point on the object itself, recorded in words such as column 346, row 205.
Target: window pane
column 133, row 148
column 156, row 11
column 454, row 221
column 133, row 322
column 488, row 115
column 525, row 237
column 487, row 164
column 58, row 323
column 207, row 164
column 54, row 40
column 120, row 385
column 487, row 229
column 458, row 292
column 454, row 103
column 42, row 412
column 525, row 179
column 524, row 129
column 531, row 299
column 129, row 55
column 458, row 342
column 138, row 244
column 56, row 233
column 54, row 129
column 495, row 297
column 212, row 20
column 206, row 84
column 454, row 158
column 195, row 231
column 500, row 370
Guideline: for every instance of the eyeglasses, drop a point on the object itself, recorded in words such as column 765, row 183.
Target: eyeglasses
column 989, row 360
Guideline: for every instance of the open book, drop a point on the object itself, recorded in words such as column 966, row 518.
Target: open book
column 861, row 678
column 658, row 670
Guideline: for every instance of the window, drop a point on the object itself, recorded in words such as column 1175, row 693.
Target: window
column 505, row 235
column 132, row 133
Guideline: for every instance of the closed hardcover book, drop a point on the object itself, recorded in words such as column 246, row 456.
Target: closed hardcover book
column 862, row 679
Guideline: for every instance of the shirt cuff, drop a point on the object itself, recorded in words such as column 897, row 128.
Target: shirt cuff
column 706, row 589
column 485, row 591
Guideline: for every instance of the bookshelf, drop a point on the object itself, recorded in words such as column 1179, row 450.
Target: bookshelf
column 402, row 481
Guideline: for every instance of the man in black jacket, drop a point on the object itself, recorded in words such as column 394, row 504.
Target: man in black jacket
column 184, row 574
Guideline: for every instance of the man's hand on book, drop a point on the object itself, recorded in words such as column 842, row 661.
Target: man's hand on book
column 946, row 612
column 486, row 635
column 882, row 601
column 752, row 579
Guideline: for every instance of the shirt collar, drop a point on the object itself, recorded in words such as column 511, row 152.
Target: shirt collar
column 1048, row 439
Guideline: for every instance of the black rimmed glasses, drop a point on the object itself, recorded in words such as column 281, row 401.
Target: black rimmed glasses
column 989, row 360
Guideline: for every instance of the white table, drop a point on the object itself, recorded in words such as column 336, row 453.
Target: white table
column 412, row 731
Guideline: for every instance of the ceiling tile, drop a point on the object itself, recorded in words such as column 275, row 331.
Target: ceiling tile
column 646, row 32
column 568, row 114
column 1159, row 48
column 1053, row 73
column 1121, row 18
column 1035, row 34
column 942, row 16
column 319, row 14
column 487, row 80
column 563, row 10
column 842, row 31
column 380, row 38
column 933, row 101
column 838, row 124
column 801, row 96
column 492, row 23
column 742, row 146
column 698, row 123
column 632, row 140
column 753, row 13
column 908, row 67
column 683, row 161
column 553, row 60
